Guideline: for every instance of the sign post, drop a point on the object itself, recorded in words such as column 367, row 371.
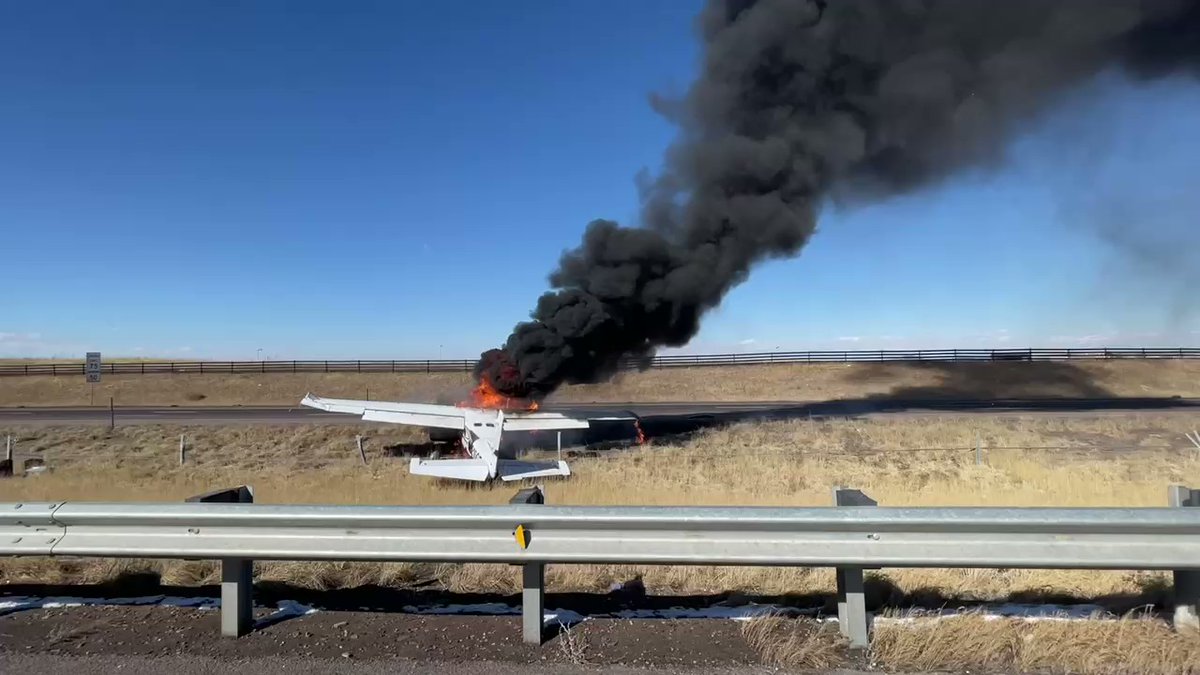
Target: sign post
column 91, row 370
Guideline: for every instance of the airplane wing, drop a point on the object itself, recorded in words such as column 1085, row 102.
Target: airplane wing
column 414, row 414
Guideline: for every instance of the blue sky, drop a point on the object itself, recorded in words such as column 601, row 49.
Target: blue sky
column 394, row 179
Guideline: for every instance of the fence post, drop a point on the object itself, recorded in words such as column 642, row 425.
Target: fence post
column 112, row 414
column 182, row 456
column 6, row 466
column 237, row 574
column 361, row 455
column 1187, row 582
column 533, row 578
column 853, row 620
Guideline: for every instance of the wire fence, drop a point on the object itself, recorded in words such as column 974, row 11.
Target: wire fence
column 660, row 361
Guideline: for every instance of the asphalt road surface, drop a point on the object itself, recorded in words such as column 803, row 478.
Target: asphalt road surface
column 679, row 411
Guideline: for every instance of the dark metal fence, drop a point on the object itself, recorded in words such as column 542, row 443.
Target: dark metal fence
column 668, row 361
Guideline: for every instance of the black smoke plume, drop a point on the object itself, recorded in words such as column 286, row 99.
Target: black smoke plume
column 802, row 101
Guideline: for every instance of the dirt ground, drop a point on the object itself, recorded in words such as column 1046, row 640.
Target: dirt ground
column 1142, row 645
column 798, row 382
column 149, row 631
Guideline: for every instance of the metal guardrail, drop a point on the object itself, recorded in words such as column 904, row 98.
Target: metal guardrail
column 533, row 535
column 661, row 361
column 881, row 537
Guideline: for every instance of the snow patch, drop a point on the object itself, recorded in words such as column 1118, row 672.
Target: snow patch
column 736, row 613
column 563, row 617
column 290, row 608
column 286, row 609
column 21, row 603
column 482, row 608
column 1022, row 612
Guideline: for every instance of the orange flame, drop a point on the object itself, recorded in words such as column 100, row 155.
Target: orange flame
column 484, row 395
column 641, row 435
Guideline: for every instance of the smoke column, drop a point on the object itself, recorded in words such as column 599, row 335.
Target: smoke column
column 799, row 102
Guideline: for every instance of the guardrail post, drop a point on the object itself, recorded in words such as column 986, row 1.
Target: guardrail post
column 237, row 596
column 1187, row 582
column 853, row 621
column 237, row 574
column 533, row 580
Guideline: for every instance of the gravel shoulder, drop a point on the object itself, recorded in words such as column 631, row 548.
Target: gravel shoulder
column 157, row 639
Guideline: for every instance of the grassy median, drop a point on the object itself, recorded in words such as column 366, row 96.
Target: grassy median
column 1036, row 461
column 796, row 382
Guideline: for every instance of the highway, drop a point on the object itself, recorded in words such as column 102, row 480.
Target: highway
column 663, row 411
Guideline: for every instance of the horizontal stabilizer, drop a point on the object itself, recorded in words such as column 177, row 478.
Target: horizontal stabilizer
column 459, row 469
column 514, row 469
column 539, row 421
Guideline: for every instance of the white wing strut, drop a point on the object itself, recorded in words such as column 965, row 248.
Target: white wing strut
column 482, row 430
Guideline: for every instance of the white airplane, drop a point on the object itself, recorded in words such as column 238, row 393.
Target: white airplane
column 481, row 431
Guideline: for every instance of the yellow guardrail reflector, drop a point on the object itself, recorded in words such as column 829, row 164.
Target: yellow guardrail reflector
column 522, row 536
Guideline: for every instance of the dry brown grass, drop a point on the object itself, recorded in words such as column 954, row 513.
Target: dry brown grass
column 1106, row 461
column 799, row 382
column 1132, row 644
column 974, row 643
column 795, row 644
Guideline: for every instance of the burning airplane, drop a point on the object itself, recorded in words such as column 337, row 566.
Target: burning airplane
column 481, row 422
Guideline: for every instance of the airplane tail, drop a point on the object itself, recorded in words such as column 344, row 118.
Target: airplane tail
column 477, row 469
column 459, row 469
